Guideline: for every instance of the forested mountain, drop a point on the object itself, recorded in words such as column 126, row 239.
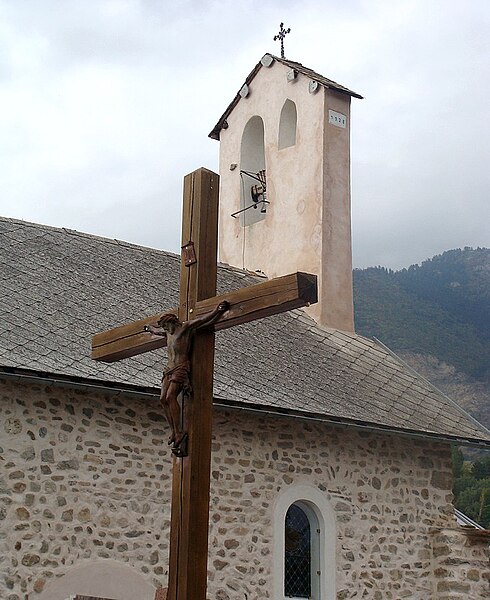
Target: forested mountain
column 436, row 316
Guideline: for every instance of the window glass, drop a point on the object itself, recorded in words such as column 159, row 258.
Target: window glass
column 297, row 554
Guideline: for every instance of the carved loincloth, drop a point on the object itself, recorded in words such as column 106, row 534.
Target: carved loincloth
column 179, row 374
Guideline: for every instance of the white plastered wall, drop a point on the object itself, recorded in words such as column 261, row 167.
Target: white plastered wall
column 307, row 227
column 101, row 579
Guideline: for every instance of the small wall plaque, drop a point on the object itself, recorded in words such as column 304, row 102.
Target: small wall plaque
column 337, row 119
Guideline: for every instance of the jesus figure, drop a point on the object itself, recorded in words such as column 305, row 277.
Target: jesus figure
column 176, row 377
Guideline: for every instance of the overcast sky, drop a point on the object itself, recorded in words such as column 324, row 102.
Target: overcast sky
column 106, row 105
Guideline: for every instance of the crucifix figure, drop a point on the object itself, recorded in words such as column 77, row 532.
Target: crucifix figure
column 176, row 377
column 189, row 335
column 281, row 35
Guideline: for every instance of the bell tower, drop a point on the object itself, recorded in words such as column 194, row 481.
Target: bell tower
column 285, row 181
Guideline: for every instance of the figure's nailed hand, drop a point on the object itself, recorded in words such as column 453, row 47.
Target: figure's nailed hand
column 223, row 306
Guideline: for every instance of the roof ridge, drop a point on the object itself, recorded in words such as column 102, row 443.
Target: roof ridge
column 118, row 242
column 124, row 243
column 83, row 234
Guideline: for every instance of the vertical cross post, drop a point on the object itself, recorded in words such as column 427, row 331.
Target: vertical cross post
column 190, row 476
column 189, row 520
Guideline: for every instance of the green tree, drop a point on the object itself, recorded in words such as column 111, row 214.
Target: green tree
column 458, row 461
column 471, row 487
column 481, row 468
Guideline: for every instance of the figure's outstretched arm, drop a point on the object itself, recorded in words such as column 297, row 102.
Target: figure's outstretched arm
column 155, row 330
column 210, row 318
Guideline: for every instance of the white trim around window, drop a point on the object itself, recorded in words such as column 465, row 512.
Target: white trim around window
column 323, row 552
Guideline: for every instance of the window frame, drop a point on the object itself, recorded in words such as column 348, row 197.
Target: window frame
column 316, row 506
column 314, row 541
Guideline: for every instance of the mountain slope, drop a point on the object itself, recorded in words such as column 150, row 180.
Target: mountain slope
column 436, row 316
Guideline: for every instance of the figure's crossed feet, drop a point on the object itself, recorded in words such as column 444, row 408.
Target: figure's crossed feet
column 179, row 448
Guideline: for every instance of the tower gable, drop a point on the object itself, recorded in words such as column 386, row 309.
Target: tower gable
column 268, row 60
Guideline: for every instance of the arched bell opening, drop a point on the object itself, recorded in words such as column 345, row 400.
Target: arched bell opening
column 253, row 198
column 287, row 125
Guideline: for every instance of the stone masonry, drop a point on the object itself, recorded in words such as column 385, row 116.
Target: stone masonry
column 86, row 476
column 461, row 564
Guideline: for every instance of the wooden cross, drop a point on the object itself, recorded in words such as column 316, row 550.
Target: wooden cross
column 190, row 480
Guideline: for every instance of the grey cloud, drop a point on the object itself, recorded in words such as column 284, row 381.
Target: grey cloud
column 107, row 104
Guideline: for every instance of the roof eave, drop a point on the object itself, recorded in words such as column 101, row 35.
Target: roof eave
column 357, row 424
column 29, row 376
column 222, row 124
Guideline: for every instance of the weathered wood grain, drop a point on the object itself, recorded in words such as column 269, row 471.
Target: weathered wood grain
column 247, row 304
column 190, row 489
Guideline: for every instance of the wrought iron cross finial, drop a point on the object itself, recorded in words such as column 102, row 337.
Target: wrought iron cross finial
column 281, row 35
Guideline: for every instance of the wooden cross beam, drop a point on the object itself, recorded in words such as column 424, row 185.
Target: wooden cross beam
column 247, row 304
column 190, row 480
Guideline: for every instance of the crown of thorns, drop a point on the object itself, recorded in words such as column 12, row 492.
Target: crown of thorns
column 168, row 318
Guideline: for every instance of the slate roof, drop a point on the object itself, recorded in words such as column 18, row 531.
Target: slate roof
column 324, row 81
column 59, row 287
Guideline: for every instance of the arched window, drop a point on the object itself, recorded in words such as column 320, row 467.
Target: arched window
column 304, row 544
column 301, row 552
column 287, row 125
column 252, row 170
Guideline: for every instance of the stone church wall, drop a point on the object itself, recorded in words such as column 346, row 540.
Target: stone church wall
column 82, row 478
column 462, row 565
column 87, row 477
